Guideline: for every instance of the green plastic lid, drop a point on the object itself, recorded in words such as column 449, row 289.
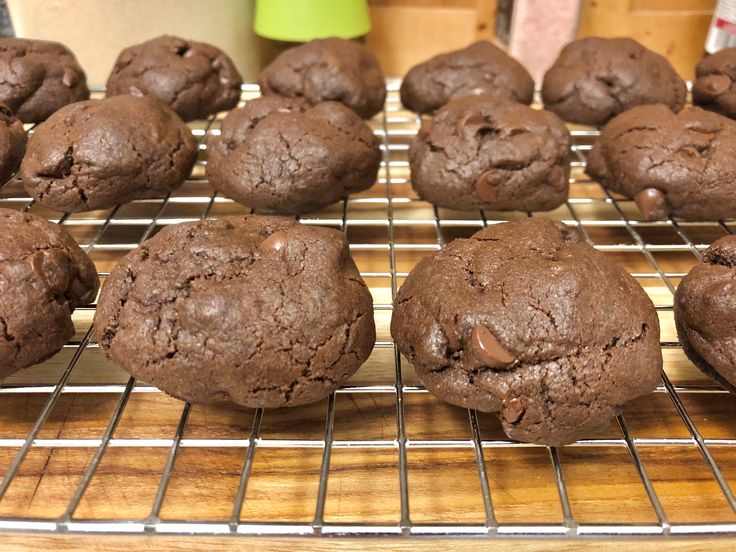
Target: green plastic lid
column 304, row 20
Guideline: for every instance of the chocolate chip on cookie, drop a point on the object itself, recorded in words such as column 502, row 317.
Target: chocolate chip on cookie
column 479, row 68
column 669, row 164
column 595, row 79
column 38, row 77
column 195, row 79
column 260, row 311
column 331, row 69
column 44, row 276
column 525, row 320
column 98, row 153
column 481, row 153
column 715, row 83
column 282, row 155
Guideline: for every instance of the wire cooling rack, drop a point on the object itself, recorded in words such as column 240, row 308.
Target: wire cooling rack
column 85, row 448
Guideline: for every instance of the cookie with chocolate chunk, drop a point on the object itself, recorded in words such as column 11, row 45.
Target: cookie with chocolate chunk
column 670, row 164
column 37, row 77
column 330, row 69
column 99, row 153
column 715, row 83
column 479, row 68
column 595, row 79
column 705, row 311
column 481, row 153
column 44, row 276
column 284, row 156
column 12, row 143
column 260, row 311
column 193, row 78
column 511, row 321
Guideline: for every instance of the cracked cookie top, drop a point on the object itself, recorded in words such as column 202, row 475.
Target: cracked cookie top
column 481, row 153
column 261, row 311
column 705, row 312
column 98, row 153
column 282, row 155
column 44, row 276
column 331, row 69
column 12, row 143
column 595, row 79
column 525, row 320
column 195, row 79
column 670, row 164
column 479, row 68
column 715, row 83
column 38, row 77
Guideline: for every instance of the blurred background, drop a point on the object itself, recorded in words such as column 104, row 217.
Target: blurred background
column 402, row 32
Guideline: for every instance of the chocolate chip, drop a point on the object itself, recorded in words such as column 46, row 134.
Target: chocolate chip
column 652, row 203
column 485, row 186
column 513, row 410
column 69, row 77
column 274, row 242
column 52, row 267
column 716, row 84
column 487, row 350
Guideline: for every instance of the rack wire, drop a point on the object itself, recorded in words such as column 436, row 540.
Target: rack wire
column 85, row 448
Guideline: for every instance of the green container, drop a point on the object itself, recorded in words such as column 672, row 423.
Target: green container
column 304, row 20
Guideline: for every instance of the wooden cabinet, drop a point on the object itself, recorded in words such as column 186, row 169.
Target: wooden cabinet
column 406, row 32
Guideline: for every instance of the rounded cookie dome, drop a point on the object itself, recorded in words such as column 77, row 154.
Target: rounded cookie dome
column 260, row 311
column 525, row 320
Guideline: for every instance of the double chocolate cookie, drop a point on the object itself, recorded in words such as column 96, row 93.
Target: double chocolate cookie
column 12, row 143
column 670, row 164
column 525, row 320
column 38, row 77
column 260, row 311
column 44, row 276
column 479, row 68
column 331, row 69
column 194, row 78
column 705, row 310
column 481, row 153
column 98, row 153
column 595, row 79
column 282, row 155
column 715, row 83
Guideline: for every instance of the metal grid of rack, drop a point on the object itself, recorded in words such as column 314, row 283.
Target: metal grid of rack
column 390, row 223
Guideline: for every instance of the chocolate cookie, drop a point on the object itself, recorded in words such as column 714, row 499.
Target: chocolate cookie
column 479, row 68
column 595, row 79
column 715, row 83
column 96, row 154
column 12, row 143
column 194, row 78
column 260, row 311
column 281, row 155
column 44, row 276
column 481, row 153
column 38, row 77
column 670, row 164
column 332, row 69
column 525, row 320
column 705, row 310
